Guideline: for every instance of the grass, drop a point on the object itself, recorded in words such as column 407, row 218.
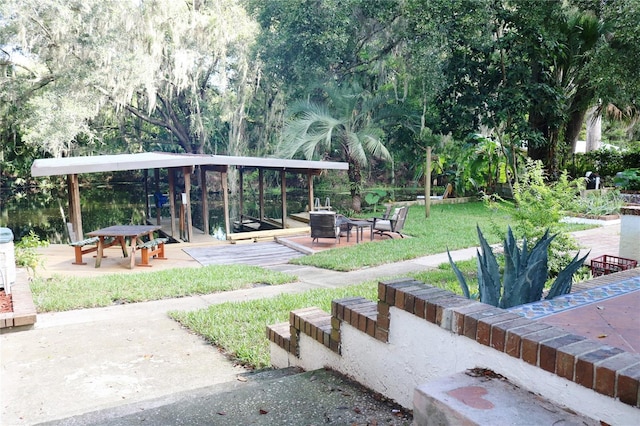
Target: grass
column 67, row 293
column 239, row 327
column 445, row 278
column 450, row 226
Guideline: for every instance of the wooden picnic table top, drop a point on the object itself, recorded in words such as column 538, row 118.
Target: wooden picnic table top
column 124, row 231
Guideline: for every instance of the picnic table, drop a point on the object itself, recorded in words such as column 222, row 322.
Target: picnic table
column 119, row 233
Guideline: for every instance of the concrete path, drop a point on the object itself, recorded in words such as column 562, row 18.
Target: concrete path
column 75, row 362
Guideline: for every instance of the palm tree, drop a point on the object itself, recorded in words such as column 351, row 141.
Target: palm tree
column 345, row 126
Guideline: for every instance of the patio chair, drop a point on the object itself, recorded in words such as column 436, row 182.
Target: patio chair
column 392, row 225
column 324, row 224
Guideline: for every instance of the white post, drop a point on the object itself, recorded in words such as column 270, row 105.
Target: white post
column 630, row 232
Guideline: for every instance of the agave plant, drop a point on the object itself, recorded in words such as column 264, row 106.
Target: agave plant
column 525, row 273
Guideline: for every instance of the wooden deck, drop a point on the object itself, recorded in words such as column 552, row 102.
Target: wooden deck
column 259, row 254
column 198, row 237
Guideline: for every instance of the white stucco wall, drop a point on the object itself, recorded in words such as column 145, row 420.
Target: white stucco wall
column 419, row 351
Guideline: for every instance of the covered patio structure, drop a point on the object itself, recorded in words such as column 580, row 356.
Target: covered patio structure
column 186, row 164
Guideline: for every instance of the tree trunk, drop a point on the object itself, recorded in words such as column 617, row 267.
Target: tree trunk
column 573, row 127
column 355, row 181
column 545, row 151
column 594, row 130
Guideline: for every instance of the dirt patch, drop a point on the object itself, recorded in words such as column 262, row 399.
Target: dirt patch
column 6, row 304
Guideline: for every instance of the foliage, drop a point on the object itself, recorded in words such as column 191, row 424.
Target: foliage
column 617, row 60
column 605, row 162
column 26, row 252
column 525, row 273
column 239, row 328
column 374, row 196
column 628, row 179
column 343, row 125
column 540, row 205
column 129, row 76
column 176, row 66
column 598, row 203
column 482, row 164
column 63, row 293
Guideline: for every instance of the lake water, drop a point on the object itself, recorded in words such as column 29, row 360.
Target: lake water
column 46, row 212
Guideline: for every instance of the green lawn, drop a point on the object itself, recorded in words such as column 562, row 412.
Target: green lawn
column 66, row 293
column 240, row 328
column 450, row 226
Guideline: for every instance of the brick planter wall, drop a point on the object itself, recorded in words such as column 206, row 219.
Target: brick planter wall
column 589, row 365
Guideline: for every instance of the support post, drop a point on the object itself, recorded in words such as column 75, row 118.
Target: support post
column 205, row 201
column 156, row 176
column 187, row 189
column 310, row 186
column 261, row 192
column 241, row 194
column 172, row 200
column 225, row 202
column 74, row 206
column 427, row 184
column 147, row 207
column 283, row 186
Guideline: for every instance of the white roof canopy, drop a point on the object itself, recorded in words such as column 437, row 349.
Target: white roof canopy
column 161, row 160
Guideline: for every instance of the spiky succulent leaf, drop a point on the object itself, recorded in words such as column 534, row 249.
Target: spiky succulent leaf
column 563, row 282
column 511, row 262
column 537, row 268
column 532, row 281
column 488, row 285
column 461, row 280
column 489, row 268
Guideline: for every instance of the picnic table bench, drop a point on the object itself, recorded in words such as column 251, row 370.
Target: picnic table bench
column 88, row 245
column 152, row 249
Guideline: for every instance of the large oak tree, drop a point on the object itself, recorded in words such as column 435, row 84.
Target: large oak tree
column 178, row 65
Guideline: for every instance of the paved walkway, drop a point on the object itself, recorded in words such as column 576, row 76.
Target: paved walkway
column 79, row 361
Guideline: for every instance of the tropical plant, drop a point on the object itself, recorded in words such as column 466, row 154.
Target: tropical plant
column 343, row 125
column 374, row 196
column 540, row 205
column 598, row 203
column 525, row 273
column 26, row 254
column 628, row 179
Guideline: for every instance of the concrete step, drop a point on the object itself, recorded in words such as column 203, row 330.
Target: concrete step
column 481, row 397
column 270, row 397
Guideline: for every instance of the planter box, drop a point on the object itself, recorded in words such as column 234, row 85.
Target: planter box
column 607, row 264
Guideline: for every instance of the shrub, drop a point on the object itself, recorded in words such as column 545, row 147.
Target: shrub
column 628, row 180
column 598, row 203
column 26, row 254
column 539, row 207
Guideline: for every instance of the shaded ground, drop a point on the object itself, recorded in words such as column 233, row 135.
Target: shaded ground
column 310, row 398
